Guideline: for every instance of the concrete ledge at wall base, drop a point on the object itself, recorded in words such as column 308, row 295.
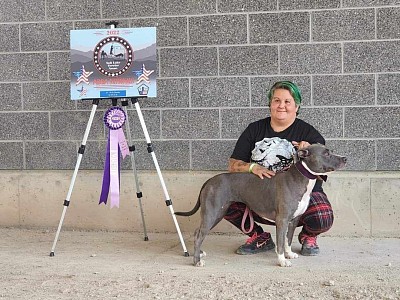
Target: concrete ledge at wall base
column 366, row 204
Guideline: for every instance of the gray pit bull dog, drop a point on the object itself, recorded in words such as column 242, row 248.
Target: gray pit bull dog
column 282, row 198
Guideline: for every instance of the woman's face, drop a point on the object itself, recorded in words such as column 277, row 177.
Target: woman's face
column 283, row 107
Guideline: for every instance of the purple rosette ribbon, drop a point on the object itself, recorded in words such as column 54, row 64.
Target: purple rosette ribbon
column 114, row 118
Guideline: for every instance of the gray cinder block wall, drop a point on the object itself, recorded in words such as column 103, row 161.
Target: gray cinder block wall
column 216, row 59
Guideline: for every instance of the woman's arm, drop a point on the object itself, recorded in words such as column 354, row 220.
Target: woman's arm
column 236, row 165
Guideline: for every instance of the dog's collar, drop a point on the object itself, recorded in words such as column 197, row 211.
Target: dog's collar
column 308, row 174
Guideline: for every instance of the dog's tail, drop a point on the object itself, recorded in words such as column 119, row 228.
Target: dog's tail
column 189, row 213
column 196, row 207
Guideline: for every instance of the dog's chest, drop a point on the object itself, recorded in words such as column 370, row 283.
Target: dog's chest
column 303, row 204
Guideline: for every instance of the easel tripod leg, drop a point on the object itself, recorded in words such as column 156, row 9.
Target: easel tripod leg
column 133, row 163
column 150, row 150
column 78, row 162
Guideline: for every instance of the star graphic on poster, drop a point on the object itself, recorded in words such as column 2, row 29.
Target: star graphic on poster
column 143, row 74
column 82, row 76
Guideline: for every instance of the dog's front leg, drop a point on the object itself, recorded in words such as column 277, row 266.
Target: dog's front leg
column 288, row 241
column 281, row 242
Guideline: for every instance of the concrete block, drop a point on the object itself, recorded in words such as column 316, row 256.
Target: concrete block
column 59, row 66
column 171, row 155
column 10, row 95
column 351, row 207
column 47, row 96
column 283, row 27
column 35, row 199
column 186, row 7
column 218, row 30
column 235, row 120
column 23, row 67
column 363, row 3
column 128, row 9
column 11, row 155
column 387, row 157
column 46, row 155
column 36, row 202
column 181, row 62
column 143, row 159
column 172, row 93
column 248, row 60
column 388, row 86
column 98, row 24
column 360, row 153
column 95, row 153
column 27, row 126
column 226, row 6
column 310, row 58
column 71, row 125
column 171, row 31
column 308, row 4
column 339, row 25
column 261, row 85
column 344, row 90
column 152, row 122
column 387, row 22
column 372, row 122
column 371, row 57
column 211, row 155
column 220, row 92
column 385, row 207
column 23, row 11
column 45, row 36
column 103, row 105
column 190, row 124
column 73, row 10
column 9, row 192
column 9, row 41
column 328, row 121
column 85, row 212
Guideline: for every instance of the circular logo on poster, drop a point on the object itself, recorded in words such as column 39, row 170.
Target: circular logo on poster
column 113, row 56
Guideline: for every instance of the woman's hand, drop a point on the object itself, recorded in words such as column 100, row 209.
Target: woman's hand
column 262, row 172
column 301, row 145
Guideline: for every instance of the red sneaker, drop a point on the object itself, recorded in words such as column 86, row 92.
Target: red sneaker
column 310, row 247
column 257, row 243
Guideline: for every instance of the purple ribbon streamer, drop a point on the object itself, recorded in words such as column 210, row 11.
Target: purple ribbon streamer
column 116, row 145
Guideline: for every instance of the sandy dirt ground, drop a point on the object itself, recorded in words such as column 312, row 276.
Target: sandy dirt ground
column 109, row 265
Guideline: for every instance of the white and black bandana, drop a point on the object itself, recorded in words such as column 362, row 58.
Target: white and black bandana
column 275, row 154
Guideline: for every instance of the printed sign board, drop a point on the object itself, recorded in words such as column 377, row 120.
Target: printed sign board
column 113, row 63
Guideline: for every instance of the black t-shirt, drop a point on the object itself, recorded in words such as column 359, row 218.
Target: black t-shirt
column 257, row 131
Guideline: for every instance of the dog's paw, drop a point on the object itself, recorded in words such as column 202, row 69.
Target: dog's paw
column 291, row 255
column 200, row 263
column 285, row 263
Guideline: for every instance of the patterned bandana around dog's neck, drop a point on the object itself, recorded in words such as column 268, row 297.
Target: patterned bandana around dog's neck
column 275, row 154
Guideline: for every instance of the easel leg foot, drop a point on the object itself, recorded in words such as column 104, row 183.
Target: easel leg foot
column 52, row 254
column 186, row 254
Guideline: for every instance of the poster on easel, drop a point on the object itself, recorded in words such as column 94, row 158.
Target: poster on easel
column 113, row 63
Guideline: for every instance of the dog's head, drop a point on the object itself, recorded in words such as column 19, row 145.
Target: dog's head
column 319, row 160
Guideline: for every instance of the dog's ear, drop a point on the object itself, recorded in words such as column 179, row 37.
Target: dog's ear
column 303, row 153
